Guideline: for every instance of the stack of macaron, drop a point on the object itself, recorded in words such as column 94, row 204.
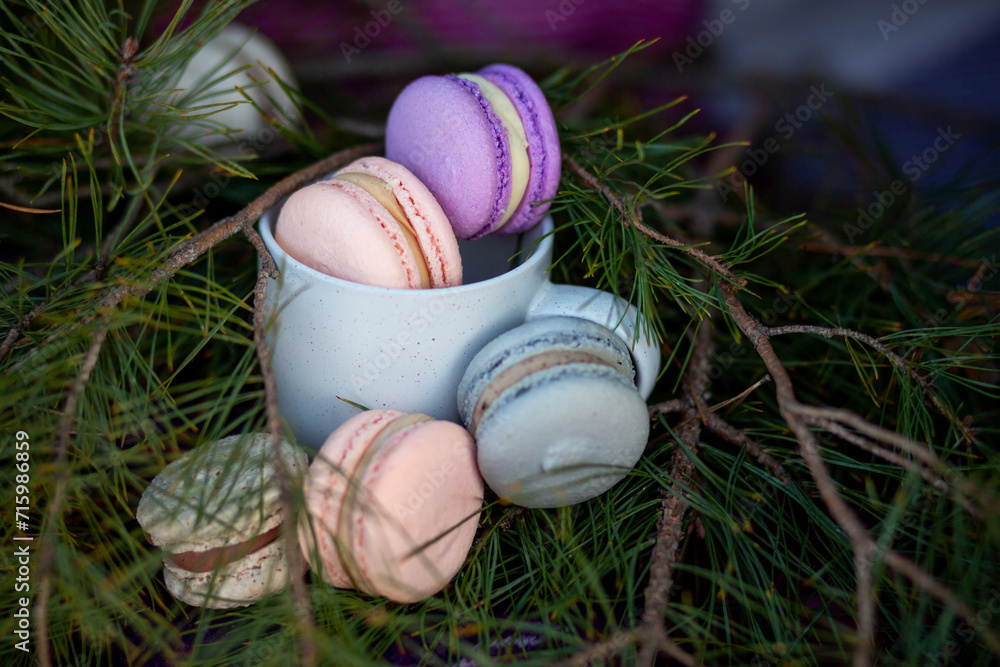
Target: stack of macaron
column 466, row 155
column 392, row 500
column 392, row 503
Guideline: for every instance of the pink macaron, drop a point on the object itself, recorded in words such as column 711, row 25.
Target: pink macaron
column 485, row 144
column 392, row 504
column 373, row 222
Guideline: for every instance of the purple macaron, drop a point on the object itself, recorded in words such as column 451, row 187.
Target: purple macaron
column 485, row 144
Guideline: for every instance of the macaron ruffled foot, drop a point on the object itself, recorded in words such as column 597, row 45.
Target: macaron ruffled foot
column 485, row 144
column 373, row 222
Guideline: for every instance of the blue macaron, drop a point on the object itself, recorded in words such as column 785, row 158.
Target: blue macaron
column 554, row 410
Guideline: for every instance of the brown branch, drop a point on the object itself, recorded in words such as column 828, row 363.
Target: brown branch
column 821, row 415
column 15, row 332
column 46, row 559
column 934, row 480
column 724, row 429
column 634, row 219
column 925, row 385
column 674, row 405
column 296, row 569
column 881, row 452
column 795, row 415
column 601, row 651
column 670, row 525
column 841, row 512
column 191, row 249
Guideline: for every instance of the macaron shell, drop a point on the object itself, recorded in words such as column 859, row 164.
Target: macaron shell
column 562, row 436
column 443, row 130
column 337, row 228
column 258, row 64
column 238, row 584
column 533, row 337
column 325, row 486
column 417, row 514
column 218, row 494
column 429, row 222
column 544, row 152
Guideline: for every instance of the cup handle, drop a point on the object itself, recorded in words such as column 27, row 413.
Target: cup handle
column 610, row 312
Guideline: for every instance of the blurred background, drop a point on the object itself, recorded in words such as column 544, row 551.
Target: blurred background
column 907, row 90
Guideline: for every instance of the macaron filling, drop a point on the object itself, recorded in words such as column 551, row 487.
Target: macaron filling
column 384, row 195
column 211, row 559
column 517, row 139
column 511, row 376
column 346, row 527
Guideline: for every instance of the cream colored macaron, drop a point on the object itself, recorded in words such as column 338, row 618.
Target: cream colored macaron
column 209, row 86
column 216, row 514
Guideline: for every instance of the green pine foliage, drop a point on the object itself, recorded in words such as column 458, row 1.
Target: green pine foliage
column 763, row 575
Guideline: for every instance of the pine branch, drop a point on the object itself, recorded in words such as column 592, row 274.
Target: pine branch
column 630, row 217
column 902, row 364
column 192, row 249
column 46, row 559
column 797, row 416
column 670, row 526
column 296, row 567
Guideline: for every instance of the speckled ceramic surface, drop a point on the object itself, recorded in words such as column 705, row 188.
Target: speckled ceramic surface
column 408, row 349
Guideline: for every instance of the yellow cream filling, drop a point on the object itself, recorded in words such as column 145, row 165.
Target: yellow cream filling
column 516, row 137
column 383, row 194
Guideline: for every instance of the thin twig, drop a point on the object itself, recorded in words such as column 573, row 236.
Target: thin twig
column 883, row 453
column 670, row 525
column 673, row 405
column 632, row 218
column 296, row 569
column 601, row 651
column 15, row 332
column 817, row 415
column 906, row 367
column 721, row 427
column 191, row 249
column 46, row 558
column 931, row 478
